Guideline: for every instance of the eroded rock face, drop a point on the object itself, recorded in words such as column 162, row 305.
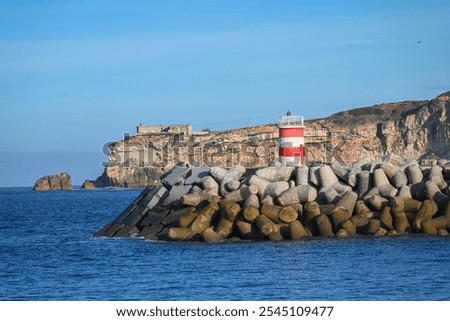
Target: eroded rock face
column 61, row 181
column 88, row 184
column 410, row 129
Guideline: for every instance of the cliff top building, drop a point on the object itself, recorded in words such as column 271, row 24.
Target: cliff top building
column 185, row 129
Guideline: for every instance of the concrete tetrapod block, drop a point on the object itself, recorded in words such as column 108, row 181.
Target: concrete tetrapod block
column 377, row 202
column 248, row 231
column 341, row 171
column 408, row 204
column 186, row 219
column 436, row 171
column 328, row 195
column 302, row 175
column 362, row 209
column 440, row 222
column 267, row 200
column 363, row 162
column 180, row 233
column 364, row 183
column 209, row 235
column 352, row 177
column 312, row 210
column 314, row 176
column 373, row 226
column 175, row 176
column 298, row 194
column 153, row 217
column 381, row 232
column 380, row 178
column 154, row 197
column 434, row 194
column 373, row 191
column 224, row 228
column 386, row 219
column 387, row 190
column 338, row 216
column 260, row 183
column 348, row 201
column 218, row 173
column 341, row 188
column 124, row 231
column 238, row 195
column 428, row 227
column 326, row 208
column 401, row 223
column 405, row 191
column 327, row 176
column 275, row 174
column 272, row 212
column 277, row 188
column 233, row 174
column 414, row 174
column 349, row 226
column 324, row 225
column 342, row 233
column 250, row 213
column 147, row 232
column 197, row 175
column 252, row 201
column 426, row 212
column 276, row 236
column 265, row 225
column 205, row 215
column 233, row 185
column 175, row 194
column 195, row 199
column 173, row 217
column 399, row 180
column 389, row 169
column 136, row 216
column 287, row 214
column 297, row 231
column 230, row 211
column 210, row 184
column 360, row 223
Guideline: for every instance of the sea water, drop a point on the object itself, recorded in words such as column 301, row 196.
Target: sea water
column 48, row 252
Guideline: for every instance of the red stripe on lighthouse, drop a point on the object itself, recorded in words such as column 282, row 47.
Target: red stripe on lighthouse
column 291, row 132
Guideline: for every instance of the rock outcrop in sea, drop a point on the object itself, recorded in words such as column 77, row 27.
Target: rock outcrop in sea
column 411, row 129
column 61, row 181
column 383, row 197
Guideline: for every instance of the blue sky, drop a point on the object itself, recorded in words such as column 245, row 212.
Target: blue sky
column 77, row 74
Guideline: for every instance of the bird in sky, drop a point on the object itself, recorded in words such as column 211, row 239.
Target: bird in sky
column 419, row 41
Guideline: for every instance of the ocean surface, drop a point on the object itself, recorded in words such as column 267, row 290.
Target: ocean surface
column 48, row 252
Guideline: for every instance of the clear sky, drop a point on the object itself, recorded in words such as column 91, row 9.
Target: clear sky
column 77, row 74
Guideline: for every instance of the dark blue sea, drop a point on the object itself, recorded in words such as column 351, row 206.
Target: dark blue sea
column 48, row 252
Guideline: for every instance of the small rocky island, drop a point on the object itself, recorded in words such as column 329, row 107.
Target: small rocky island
column 387, row 196
column 61, row 181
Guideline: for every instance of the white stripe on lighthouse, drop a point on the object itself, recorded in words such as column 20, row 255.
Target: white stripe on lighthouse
column 292, row 141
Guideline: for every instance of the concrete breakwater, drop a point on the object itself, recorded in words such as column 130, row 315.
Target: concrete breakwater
column 286, row 203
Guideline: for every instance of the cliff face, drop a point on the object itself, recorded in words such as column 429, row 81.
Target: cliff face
column 410, row 129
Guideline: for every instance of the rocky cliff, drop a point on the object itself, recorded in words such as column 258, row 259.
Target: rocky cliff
column 410, row 129
column 61, row 181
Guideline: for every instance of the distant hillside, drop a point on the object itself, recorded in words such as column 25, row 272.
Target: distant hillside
column 410, row 129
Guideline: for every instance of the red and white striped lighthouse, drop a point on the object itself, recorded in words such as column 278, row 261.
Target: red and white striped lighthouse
column 291, row 140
